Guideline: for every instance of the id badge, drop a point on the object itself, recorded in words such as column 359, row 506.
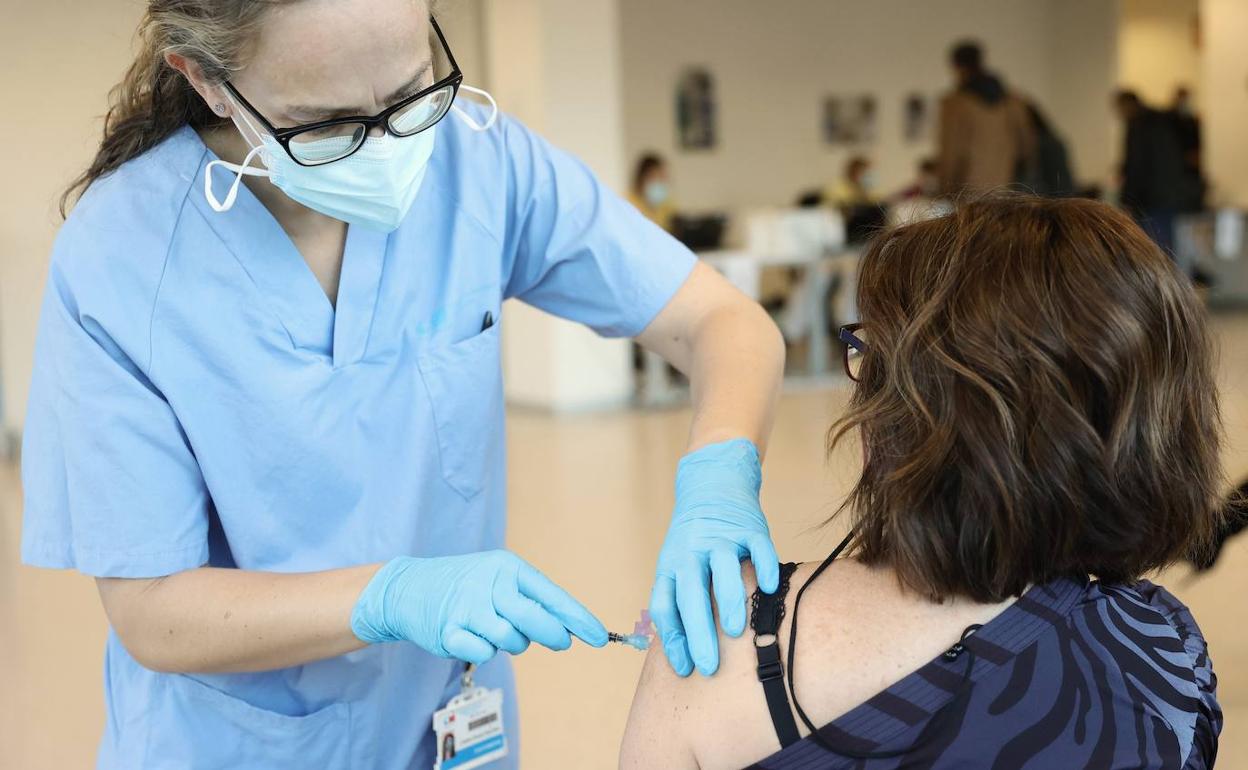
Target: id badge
column 469, row 728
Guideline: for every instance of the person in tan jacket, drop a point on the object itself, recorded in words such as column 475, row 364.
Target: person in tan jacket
column 985, row 132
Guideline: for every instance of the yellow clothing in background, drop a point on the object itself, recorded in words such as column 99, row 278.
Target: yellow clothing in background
column 847, row 195
column 661, row 216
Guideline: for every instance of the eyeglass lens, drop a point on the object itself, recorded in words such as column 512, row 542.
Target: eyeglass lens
column 422, row 113
column 853, row 357
column 325, row 145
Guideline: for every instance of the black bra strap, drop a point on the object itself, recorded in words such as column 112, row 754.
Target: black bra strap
column 765, row 619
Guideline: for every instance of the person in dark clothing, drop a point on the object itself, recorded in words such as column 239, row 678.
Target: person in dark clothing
column 1047, row 172
column 1153, row 169
column 1187, row 124
column 1234, row 521
column 986, row 137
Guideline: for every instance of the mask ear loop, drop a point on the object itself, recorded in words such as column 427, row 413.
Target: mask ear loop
column 240, row 171
column 218, row 205
column 468, row 119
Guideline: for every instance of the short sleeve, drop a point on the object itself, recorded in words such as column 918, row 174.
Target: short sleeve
column 111, row 486
column 582, row 252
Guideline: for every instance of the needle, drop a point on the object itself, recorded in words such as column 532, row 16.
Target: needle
column 636, row 641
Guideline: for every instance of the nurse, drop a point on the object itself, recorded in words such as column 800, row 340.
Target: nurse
column 267, row 416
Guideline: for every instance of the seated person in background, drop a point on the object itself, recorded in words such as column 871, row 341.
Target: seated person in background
column 926, row 184
column 651, row 192
column 856, row 188
column 1036, row 405
column 854, row 197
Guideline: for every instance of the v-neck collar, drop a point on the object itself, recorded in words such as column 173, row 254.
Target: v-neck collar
column 358, row 288
column 274, row 263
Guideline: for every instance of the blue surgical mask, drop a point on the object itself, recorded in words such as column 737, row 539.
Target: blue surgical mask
column 374, row 187
column 655, row 193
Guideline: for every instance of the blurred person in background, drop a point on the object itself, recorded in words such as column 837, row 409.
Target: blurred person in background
column 926, row 184
column 1187, row 125
column 1154, row 173
column 651, row 191
column 1031, row 447
column 856, row 198
column 986, row 136
column 857, row 187
column 1047, row 171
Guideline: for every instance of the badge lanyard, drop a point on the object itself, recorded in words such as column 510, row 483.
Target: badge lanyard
column 469, row 728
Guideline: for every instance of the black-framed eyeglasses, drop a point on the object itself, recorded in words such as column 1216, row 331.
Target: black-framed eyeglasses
column 326, row 141
column 855, row 346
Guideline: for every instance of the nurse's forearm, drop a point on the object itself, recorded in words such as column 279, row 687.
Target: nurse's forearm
column 732, row 353
column 224, row 620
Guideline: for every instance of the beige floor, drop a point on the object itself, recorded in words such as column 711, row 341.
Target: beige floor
column 589, row 500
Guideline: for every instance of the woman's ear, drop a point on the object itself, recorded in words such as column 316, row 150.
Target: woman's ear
column 213, row 96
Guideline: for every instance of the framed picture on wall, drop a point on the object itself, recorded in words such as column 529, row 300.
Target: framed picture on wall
column 916, row 116
column 696, row 110
column 850, row 119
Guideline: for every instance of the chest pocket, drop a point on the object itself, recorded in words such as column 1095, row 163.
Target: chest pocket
column 465, row 386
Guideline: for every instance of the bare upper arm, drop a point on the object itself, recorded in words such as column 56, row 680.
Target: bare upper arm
column 700, row 722
column 673, row 330
column 656, row 735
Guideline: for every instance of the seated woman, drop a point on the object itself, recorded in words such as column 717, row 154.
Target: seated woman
column 651, row 191
column 1036, row 404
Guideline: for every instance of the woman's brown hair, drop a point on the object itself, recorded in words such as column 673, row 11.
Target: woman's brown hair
column 1037, row 400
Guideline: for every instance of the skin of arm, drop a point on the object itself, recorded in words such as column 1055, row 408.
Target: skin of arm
column 732, row 353
column 211, row 620
column 658, row 734
column 861, row 632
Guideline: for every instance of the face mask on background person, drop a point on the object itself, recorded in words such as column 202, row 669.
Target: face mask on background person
column 374, row 187
column 656, row 193
column 868, row 180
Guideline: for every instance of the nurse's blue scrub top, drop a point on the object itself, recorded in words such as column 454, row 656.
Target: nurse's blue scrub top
column 197, row 400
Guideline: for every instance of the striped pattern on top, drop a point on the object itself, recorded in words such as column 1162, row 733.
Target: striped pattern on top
column 1072, row 675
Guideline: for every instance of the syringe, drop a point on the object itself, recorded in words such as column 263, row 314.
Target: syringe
column 636, row 641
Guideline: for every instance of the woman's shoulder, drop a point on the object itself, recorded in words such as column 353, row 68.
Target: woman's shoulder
column 144, row 187
column 109, row 255
column 859, row 632
column 134, row 209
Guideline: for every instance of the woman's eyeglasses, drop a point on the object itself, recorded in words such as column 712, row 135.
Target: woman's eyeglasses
column 326, row 141
column 854, row 345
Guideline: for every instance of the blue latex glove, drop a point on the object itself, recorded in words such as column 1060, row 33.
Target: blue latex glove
column 469, row 607
column 717, row 523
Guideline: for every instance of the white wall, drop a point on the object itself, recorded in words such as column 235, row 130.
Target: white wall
column 461, row 20
column 1225, row 23
column 1084, row 48
column 58, row 58
column 774, row 62
column 555, row 65
column 1157, row 48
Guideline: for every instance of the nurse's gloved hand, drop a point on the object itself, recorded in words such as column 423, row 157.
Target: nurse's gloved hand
column 717, row 523
column 469, row 607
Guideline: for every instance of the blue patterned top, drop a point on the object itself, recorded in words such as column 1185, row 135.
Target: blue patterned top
column 1073, row 674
